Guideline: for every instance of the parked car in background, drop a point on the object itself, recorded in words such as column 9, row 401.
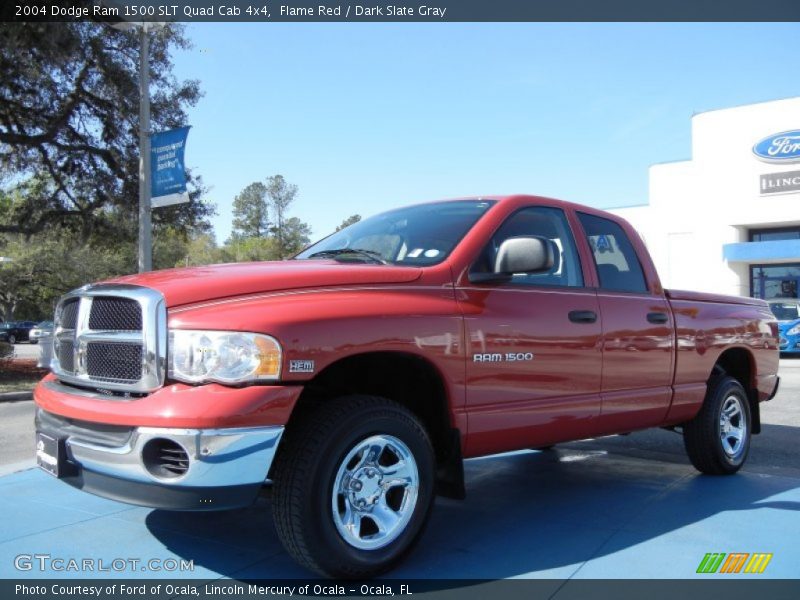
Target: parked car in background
column 787, row 311
column 41, row 330
column 15, row 331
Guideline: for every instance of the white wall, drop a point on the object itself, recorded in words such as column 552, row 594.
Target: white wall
column 696, row 206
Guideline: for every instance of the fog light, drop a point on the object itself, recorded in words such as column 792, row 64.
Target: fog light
column 165, row 459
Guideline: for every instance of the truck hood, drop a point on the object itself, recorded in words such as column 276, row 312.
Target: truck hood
column 199, row 284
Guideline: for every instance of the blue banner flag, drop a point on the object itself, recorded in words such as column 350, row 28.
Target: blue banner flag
column 167, row 170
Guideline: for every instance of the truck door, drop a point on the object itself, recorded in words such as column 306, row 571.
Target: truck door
column 638, row 342
column 533, row 345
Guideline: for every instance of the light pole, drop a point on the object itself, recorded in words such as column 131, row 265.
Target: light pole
column 145, row 227
column 145, row 255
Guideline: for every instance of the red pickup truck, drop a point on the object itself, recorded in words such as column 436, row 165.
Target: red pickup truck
column 357, row 377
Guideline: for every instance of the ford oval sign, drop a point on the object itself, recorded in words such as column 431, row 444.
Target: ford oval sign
column 779, row 147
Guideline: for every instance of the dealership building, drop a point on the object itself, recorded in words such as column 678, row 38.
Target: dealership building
column 728, row 219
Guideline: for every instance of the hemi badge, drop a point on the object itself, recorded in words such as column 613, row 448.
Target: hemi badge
column 301, row 366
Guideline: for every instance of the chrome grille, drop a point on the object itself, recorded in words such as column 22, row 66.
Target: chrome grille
column 66, row 355
column 111, row 337
column 69, row 313
column 114, row 362
column 115, row 314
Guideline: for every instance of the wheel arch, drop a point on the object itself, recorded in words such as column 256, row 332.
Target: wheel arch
column 408, row 379
column 740, row 364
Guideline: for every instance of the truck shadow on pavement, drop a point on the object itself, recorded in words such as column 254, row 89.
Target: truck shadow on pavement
column 538, row 514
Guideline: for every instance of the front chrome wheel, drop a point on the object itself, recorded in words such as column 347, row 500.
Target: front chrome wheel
column 732, row 426
column 353, row 486
column 375, row 492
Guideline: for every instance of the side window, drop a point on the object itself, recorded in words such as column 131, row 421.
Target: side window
column 542, row 221
column 617, row 264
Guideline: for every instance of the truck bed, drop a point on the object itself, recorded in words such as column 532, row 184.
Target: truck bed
column 706, row 297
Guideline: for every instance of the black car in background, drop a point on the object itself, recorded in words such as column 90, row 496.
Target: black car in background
column 16, row 331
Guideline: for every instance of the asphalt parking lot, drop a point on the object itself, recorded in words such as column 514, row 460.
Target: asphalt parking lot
column 620, row 507
column 27, row 350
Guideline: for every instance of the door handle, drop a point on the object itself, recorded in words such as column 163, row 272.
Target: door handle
column 657, row 317
column 582, row 316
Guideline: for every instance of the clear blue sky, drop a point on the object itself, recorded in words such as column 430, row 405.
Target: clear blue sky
column 365, row 117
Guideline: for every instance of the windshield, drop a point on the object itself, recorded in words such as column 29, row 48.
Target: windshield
column 417, row 235
column 785, row 311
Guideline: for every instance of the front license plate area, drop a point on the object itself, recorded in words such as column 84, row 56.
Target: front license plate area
column 49, row 453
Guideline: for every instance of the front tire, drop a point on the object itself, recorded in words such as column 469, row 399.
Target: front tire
column 353, row 487
column 717, row 440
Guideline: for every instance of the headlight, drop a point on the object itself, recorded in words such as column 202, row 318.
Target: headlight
column 794, row 330
column 222, row 356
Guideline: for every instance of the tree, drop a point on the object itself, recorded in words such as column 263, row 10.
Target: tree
column 296, row 236
column 251, row 212
column 281, row 194
column 170, row 247
column 349, row 221
column 69, row 126
column 250, row 249
column 47, row 265
column 202, row 250
column 255, row 236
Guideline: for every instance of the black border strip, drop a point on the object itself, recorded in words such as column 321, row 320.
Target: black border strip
column 405, row 11
column 712, row 586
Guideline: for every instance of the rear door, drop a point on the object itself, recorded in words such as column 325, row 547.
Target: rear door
column 638, row 333
column 533, row 345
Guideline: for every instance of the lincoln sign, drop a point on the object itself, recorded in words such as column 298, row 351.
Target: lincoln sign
column 778, row 183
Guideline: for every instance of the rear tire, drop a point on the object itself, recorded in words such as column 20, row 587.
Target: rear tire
column 354, row 484
column 717, row 440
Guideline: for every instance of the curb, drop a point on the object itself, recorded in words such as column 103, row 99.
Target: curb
column 16, row 396
column 17, row 467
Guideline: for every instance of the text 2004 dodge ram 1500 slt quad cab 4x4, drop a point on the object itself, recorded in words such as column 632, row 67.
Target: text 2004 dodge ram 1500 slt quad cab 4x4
column 358, row 375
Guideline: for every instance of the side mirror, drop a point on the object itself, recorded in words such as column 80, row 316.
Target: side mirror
column 532, row 254
column 528, row 254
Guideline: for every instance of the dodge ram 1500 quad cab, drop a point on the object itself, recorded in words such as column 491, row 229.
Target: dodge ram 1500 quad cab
column 357, row 376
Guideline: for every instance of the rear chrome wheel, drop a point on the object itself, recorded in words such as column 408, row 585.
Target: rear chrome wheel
column 717, row 440
column 732, row 426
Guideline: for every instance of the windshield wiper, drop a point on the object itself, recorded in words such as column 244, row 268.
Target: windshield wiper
column 369, row 254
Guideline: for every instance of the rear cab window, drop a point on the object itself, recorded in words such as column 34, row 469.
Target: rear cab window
column 615, row 258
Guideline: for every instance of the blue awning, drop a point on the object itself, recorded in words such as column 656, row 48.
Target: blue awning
column 754, row 252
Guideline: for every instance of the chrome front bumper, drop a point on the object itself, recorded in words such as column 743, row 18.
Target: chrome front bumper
column 227, row 467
